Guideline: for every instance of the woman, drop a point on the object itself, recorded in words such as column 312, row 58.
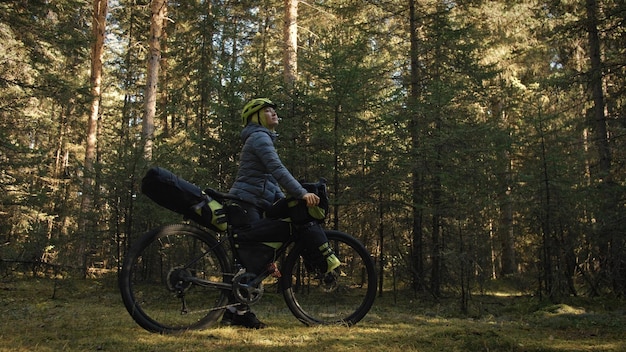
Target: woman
column 259, row 180
column 261, row 172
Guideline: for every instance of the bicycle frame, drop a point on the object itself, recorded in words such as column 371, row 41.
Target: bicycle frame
column 235, row 256
column 228, row 200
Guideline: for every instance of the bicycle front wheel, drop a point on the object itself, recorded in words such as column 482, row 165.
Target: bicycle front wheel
column 170, row 279
column 343, row 296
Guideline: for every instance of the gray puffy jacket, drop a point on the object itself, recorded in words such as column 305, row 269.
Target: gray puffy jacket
column 261, row 172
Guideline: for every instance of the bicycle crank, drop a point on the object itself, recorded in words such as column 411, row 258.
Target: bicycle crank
column 243, row 291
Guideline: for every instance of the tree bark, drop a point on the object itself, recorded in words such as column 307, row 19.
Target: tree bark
column 158, row 9
column 611, row 243
column 100, row 8
column 505, row 233
column 290, row 32
column 599, row 119
column 417, row 198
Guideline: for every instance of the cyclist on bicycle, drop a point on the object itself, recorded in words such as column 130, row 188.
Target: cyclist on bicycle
column 259, row 179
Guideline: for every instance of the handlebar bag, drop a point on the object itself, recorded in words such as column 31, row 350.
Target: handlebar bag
column 297, row 210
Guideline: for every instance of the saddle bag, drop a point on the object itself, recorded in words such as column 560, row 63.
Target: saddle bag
column 180, row 196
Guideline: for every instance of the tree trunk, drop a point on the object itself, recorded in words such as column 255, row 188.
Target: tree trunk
column 99, row 28
column 381, row 242
column 290, row 31
column 158, row 9
column 505, row 233
column 436, row 235
column 611, row 244
column 599, row 119
column 417, row 200
column 336, row 166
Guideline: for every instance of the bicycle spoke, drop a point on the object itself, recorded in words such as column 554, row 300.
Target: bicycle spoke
column 175, row 281
column 341, row 297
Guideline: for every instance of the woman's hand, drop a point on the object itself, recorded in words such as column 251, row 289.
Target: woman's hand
column 311, row 199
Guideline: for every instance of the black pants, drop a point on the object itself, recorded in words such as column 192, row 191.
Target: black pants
column 258, row 228
column 253, row 228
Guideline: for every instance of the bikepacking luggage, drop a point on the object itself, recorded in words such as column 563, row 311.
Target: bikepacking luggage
column 318, row 254
column 307, row 221
column 297, row 211
column 256, row 242
column 172, row 192
column 257, row 257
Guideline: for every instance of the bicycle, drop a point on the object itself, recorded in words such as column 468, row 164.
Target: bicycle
column 179, row 277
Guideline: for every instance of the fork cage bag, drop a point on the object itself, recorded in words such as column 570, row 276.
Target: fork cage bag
column 183, row 197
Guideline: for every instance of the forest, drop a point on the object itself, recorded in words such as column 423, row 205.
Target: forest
column 464, row 142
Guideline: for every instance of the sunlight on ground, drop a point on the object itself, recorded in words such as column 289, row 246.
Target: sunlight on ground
column 564, row 309
column 503, row 294
column 89, row 316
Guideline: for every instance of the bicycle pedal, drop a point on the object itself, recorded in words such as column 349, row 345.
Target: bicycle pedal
column 273, row 270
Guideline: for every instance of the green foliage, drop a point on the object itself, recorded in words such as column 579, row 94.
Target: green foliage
column 482, row 165
column 43, row 53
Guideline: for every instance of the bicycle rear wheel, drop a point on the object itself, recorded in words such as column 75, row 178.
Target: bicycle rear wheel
column 164, row 278
column 343, row 296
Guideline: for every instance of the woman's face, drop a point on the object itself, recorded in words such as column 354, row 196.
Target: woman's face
column 271, row 118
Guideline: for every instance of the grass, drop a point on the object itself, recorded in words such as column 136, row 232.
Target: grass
column 88, row 315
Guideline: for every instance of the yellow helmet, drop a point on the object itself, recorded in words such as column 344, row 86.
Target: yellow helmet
column 254, row 106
